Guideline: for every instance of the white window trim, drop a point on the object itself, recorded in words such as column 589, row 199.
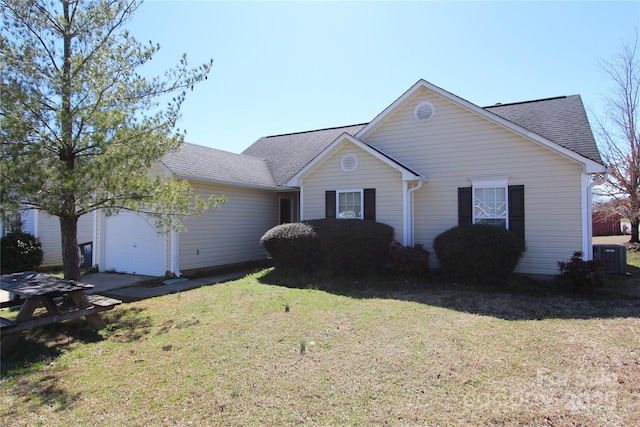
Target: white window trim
column 357, row 190
column 497, row 181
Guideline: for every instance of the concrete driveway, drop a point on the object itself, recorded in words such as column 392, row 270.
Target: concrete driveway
column 128, row 286
column 103, row 282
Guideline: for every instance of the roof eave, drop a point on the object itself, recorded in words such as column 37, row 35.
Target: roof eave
column 590, row 166
column 407, row 175
column 227, row 183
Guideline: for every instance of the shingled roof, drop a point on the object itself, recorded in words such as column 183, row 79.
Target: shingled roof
column 272, row 160
column 561, row 120
column 205, row 164
column 287, row 154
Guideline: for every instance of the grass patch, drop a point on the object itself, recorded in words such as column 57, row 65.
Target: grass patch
column 357, row 353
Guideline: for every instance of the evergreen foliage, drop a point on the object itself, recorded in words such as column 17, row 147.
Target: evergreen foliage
column 478, row 253
column 338, row 246
column 19, row 252
column 80, row 126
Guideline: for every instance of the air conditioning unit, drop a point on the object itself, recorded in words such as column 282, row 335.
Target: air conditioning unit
column 614, row 257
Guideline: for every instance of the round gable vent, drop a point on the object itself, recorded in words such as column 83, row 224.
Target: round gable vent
column 349, row 162
column 424, row 111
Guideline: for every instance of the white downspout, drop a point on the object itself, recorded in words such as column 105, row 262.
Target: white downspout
column 94, row 259
column 36, row 229
column 301, row 201
column 411, row 196
column 101, row 258
column 175, row 253
column 587, row 241
column 405, row 213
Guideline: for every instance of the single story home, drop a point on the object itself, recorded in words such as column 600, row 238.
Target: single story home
column 430, row 161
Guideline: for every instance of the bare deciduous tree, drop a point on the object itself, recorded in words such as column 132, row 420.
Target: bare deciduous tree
column 619, row 134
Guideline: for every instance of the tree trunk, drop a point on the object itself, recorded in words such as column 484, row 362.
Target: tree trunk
column 70, row 256
column 634, row 231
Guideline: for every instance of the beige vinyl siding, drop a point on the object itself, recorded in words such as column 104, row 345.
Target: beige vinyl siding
column 371, row 173
column 51, row 240
column 230, row 234
column 457, row 144
column 159, row 170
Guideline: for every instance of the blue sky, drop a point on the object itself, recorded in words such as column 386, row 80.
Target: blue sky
column 282, row 67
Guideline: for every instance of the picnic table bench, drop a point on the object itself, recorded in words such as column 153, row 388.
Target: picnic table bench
column 62, row 300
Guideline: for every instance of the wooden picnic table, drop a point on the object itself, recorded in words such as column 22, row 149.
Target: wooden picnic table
column 62, row 300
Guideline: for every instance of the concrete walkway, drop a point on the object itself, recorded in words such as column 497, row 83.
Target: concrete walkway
column 131, row 287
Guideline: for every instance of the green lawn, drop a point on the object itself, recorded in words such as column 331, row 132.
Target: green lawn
column 230, row 354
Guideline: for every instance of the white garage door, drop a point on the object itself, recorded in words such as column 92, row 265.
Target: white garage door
column 133, row 246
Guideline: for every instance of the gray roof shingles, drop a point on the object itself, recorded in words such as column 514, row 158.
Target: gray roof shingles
column 562, row 120
column 272, row 160
column 207, row 164
column 287, row 154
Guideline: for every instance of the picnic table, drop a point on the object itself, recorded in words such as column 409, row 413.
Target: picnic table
column 61, row 299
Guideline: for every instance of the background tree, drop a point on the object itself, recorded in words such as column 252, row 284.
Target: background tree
column 79, row 125
column 620, row 135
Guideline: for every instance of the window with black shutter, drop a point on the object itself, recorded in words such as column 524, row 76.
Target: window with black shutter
column 514, row 210
column 351, row 204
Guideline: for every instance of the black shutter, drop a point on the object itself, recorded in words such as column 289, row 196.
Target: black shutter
column 465, row 206
column 330, row 204
column 370, row 204
column 516, row 210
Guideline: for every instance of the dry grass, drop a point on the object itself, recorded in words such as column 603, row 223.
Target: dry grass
column 230, row 354
column 610, row 240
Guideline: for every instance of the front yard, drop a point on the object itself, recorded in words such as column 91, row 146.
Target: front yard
column 253, row 352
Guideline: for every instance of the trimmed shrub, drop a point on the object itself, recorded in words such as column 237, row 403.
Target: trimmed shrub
column 581, row 275
column 410, row 261
column 352, row 247
column 292, row 246
column 342, row 247
column 20, row 252
column 478, row 253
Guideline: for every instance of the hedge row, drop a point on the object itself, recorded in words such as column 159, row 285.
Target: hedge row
column 478, row 253
column 342, row 247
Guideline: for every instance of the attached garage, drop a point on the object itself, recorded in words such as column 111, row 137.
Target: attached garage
column 132, row 245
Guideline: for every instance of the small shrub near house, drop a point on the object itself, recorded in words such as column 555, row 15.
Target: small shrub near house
column 292, row 246
column 581, row 275
column 410, row 261
column 341, row 247
column 20, row 252
column 478, row 253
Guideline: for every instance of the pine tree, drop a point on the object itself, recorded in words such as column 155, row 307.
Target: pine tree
column 80, row 126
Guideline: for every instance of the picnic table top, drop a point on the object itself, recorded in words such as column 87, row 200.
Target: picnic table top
column 31, row 284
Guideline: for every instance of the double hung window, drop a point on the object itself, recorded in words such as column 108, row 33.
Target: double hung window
column 490, row 206
column 492, row 201
column 350, row 204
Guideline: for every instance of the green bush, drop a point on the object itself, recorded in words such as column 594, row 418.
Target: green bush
column 478, row 253
column 581, row 275
column 19, row 252
column 292, row 246
column 338, row 246
column 410, row 261
column 352, row 247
